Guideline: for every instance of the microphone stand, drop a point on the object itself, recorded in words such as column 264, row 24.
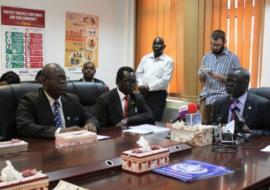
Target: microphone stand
column 218, row 145
column 238, row 131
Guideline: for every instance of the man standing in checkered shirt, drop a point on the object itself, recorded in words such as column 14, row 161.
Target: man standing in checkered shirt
column 213, row 72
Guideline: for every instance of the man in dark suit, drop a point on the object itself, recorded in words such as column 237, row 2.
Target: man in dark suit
column 253, row 109
column 121, row 106
column 89, row 71
column 51, row 110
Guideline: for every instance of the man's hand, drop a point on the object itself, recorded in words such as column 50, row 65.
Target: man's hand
column 90, row 127
column 122, row 124
column 246, row 129
column 68, row 129
column 217, row 76
column 143, row 88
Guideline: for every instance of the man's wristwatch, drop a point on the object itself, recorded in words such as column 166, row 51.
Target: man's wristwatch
column 124, row 121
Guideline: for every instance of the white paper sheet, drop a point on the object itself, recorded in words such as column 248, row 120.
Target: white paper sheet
column 102, row 137
column 266, row 149
column 147, row 129
column 229, row 127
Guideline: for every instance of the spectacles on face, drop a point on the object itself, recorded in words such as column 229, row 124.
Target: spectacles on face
column 59, row 78
column 130, row 82
column 216, row 45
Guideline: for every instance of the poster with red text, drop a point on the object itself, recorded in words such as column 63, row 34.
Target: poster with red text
column 81, row 40
column 22, row 40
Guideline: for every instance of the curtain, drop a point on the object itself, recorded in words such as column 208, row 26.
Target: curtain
column 242, row 20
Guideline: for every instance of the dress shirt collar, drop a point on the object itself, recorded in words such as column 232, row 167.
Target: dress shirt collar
column 87, row 80
column 121, row 95
column 51, row 100
column 161, row 57
column 224, row 52
column 242, row 99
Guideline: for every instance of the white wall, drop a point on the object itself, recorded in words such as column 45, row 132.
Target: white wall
column 265, row 77
column 116, row 31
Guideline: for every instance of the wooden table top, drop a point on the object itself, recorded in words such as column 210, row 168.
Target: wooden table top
column 84, row 165
column 251, row 171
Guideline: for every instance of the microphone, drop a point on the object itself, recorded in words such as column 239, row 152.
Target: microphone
column 239, row 121
column 220, row 119
column 193, row 117
column 192, row 108
column 238, row 117
column 183, row 110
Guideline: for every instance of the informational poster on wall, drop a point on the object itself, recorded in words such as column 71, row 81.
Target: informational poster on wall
column 22, row 40
column 81, row 40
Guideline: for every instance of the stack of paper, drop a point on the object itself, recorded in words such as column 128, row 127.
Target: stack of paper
column 148, row 129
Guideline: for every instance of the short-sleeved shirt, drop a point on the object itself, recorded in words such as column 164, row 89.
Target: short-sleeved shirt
column 155, row 72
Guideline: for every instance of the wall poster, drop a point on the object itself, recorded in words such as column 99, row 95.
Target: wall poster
column 22, row 40
column 81, row 40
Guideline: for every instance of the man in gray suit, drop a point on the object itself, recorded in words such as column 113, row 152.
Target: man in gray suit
column 51, row 110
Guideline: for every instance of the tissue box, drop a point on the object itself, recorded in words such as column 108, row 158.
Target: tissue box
column 138, row 162
column 37, row 182
column 198, row 135
column 74, row 138
column 13, row 146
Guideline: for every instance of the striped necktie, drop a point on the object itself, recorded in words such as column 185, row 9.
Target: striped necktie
column 234, row 108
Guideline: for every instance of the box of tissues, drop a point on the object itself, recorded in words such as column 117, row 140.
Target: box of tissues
column 145, row 158
column 74, row 138
column 11, row 179
column 197, row 135
column 13, row 146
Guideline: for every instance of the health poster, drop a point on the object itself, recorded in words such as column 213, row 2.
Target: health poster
column 22, row 37
column 81, row 40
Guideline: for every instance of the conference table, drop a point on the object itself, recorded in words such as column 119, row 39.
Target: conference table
column 98, row 165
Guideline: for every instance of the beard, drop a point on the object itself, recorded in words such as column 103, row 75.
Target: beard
column 218, row 52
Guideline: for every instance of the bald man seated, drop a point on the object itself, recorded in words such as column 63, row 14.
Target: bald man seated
column 51, row 110
column 254, row 110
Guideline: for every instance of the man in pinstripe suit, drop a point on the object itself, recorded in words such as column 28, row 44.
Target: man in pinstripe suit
column 215, row 66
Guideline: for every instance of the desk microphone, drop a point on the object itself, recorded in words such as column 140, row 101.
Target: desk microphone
column 192, row 108
column 183, row 110
column 193, row 117
column 238, row 117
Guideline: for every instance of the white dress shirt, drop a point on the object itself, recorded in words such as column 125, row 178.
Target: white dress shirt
column 122, row 99
column 156, row 73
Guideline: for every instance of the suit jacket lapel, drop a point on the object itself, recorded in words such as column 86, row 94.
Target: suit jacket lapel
column 46, row 107
column 247, row 108
column 67, row 111
column 116, row 103
column 224, row 110
column 132, row 109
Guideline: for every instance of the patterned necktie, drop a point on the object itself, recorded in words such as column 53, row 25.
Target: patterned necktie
column 126, row 99
column 234, row 108
column 57, row 115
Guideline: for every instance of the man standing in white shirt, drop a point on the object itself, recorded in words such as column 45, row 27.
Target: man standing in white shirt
column 153, row 75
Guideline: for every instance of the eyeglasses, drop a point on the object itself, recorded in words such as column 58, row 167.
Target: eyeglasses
column 216, row 45
column 130, row 82
column 59, row 78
